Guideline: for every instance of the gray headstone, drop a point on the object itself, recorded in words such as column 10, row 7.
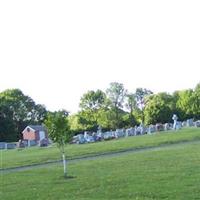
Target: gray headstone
column 11, row 145
column 197, row 123
column 175, row 118
column 159, row 127
column 151, row 129
column 167, row 126
column 3, row 145
column 190, row 123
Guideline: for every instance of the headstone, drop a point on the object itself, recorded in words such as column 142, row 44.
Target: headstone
column 109, row 135
column 99, row 130
column 151, row 129
column 197, row 123
column 138, row 131
column 167, row 126
column 86, row 135
column 81, row 139
column 127, row 132
column 33, row 142
column 190, row 123
column 159, row 127
column 3, row 145
column 175, row 118
column 178, row 125
column 130, row 132
column 142, row 129
column 43, row 142
column 99, row 135
column 120, row 133
column 11, row 145
column 184, row 124
column 20, row 144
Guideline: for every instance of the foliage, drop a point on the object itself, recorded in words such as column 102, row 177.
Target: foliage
column 183, row 103
column 159, row 109
column 93, row 100
column 16, row 112
column 141, row 95
column 92, row 104
column 59, row 131
column 196, row 102
column 116, row 94
column 131, row 106
column 58, row 127
column 115, row 108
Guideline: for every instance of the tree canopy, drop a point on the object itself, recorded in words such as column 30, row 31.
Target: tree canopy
column 16, row 112
column 114, row 108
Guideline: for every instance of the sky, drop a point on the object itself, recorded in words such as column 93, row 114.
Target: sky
column 55, row 51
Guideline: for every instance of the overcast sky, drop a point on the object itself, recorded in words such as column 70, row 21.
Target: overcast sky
column 54, row 51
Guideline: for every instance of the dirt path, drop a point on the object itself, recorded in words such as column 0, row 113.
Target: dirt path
column 93, row 157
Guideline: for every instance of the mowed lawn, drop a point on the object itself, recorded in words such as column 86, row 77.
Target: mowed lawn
column 21, row 157
column 171, row 172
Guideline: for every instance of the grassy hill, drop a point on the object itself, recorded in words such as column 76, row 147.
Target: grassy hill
column 171, row 172
column 34, row 155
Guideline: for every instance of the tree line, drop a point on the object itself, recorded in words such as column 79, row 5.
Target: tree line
column 111, row 109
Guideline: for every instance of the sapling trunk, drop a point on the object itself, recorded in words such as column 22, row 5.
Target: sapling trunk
column 62, row 150
column 64, row 165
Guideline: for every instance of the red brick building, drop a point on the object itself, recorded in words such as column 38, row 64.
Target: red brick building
column 35, row 132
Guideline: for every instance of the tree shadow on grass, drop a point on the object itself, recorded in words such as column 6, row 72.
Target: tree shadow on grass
column 69, row 177
column 63, row 179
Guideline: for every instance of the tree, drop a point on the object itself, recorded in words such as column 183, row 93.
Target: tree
column 93, row 100
column 184, row 103
column 196, row 102
column 91, row 103
column 8, row 131
column 131, row 106
column 59, row 131
column 159, row 108
column 141, row 95
column 20, row 110
column 88, row 120
column 116, row 94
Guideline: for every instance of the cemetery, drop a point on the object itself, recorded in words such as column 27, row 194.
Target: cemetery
column 175, row 168
column 88, row 137
column 155, row 161
column 100, row 100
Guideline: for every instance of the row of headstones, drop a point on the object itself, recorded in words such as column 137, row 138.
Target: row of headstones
column 5, row 145
column 23, row 144
column 137, row 130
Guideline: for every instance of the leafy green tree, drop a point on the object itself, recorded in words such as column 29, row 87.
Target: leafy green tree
column 131, row 106
column 88, row 120
column 195, row 106
column 74, row 123
column 184, row 103
column 8, row 131
column 20, row 110
column 141, row 95
column 93, row 100
column 159, row 108
column 116, row 94
column 91, row 103
column 59, row 131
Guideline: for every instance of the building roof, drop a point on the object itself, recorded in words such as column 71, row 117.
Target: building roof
column 35, row 128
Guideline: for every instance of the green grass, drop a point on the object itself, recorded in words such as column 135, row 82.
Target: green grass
column 168, row 173
column 13, row 158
